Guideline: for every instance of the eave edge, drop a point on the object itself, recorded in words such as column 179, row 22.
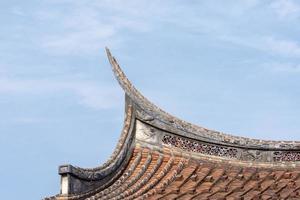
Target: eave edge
column 82, row 181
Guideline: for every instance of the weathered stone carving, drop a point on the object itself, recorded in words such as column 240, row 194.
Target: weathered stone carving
column 145, row 133
column 286, row 156
column 252, row 155
column 196, row 146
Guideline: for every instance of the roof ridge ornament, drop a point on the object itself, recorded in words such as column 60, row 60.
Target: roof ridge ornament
column 145, row 109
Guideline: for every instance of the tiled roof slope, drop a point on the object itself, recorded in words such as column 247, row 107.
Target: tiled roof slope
column 152, row 174
column 160, row 156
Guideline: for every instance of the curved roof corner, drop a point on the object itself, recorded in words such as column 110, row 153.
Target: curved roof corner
column 147, row 111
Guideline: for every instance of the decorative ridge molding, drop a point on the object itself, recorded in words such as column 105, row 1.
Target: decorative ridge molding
column 147, row 135
column 150, row 113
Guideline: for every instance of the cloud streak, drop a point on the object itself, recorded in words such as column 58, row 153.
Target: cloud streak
column 84, row 28
column 90, row 94
column 268, row 44
column 282, row 47
column 282, row 67
column 286, row 8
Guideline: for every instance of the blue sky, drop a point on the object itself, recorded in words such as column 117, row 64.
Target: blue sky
column 231, row 66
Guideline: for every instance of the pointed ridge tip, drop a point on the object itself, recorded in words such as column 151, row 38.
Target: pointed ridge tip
column 119, row 74
column 107, row 51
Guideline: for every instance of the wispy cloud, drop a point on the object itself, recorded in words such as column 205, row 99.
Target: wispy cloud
column 78, row 42
column 78, row 33
column 268, row 44
column 90, row 94
column 286, row 8
column 282, row 47
column 84, row 28
column 28, row 120
column 17, row 11
column 282, row 67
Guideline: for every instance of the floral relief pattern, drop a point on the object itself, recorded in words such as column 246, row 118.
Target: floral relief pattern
column 286, row 156
column 195, row 146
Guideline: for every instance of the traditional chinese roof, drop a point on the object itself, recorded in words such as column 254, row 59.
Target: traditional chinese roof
column 160, row 156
